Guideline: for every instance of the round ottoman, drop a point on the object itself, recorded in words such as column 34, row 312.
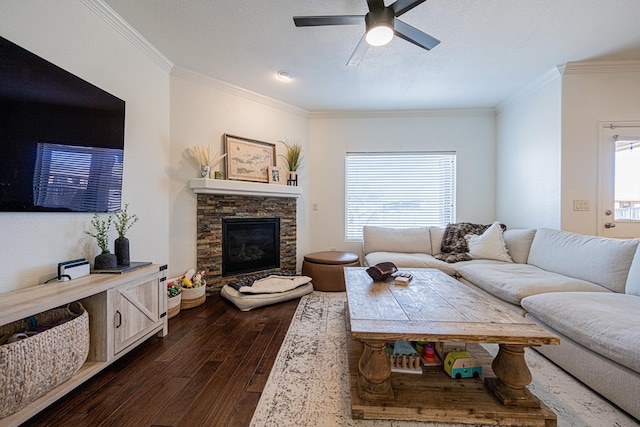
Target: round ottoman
column 326, row 269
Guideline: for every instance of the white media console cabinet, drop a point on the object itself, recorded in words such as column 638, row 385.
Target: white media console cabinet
column 124, row 310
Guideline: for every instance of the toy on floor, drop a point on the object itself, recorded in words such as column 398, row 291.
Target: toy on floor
column 444, row 348
column 429, row 356
column 404, row 358
column 460, row 364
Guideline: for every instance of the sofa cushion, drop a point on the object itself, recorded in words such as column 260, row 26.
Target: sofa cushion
column 412, row 240
column 518, row 243
column 607, row 323
column 633, row 279
column 600, row 260
column 512, row 282
column 460, row 264
column 437, row 233
column 489, row 245
column 409, row 260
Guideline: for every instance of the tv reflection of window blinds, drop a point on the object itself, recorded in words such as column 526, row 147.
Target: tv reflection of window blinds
column 84, row 179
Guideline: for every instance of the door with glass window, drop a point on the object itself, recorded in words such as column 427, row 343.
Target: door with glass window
column 619, row 182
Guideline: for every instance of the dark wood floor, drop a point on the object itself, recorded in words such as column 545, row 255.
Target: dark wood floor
column 209, row 371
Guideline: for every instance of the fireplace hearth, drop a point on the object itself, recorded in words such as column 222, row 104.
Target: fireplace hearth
column 249, row 245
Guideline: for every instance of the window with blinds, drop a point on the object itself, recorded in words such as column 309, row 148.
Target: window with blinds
column 81, row 179
column 399, row 189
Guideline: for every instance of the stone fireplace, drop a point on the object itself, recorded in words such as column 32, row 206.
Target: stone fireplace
column 231, row 206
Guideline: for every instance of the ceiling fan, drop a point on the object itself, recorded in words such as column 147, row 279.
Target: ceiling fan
column 381, row 24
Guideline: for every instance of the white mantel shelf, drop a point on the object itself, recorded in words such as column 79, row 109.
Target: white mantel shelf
column 242, row 188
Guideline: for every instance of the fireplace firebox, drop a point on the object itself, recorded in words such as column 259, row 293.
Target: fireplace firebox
column 250, row 244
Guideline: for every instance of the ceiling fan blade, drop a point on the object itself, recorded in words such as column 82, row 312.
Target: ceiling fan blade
column 316, row 21
column 415, row 36
column 375, row 4
column 401, row 6
column 359, row 52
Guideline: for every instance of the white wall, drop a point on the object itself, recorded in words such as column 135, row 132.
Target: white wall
column 523, row 168
column 528, row 157
column 72, row 36
column 202, row 110
column 471, row 133
column 591, row 92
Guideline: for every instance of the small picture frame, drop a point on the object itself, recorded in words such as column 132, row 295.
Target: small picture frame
column 248, row 159
column 275, row 175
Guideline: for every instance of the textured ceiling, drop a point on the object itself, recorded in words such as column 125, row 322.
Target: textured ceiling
column 490, row 49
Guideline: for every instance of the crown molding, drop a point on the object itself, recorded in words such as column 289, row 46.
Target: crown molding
column 530, row 88
column 586, row 67
column 365, row 114
column 112, row 18
column 223, row 86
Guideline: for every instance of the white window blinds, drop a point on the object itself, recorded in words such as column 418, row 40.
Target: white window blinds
column 399, row 189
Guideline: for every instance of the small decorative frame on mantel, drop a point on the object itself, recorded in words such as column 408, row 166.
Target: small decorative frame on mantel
column 248, row 159
column 275, row 175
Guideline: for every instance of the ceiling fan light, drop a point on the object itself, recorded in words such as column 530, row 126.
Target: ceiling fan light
column 379, row 35
column 380, row 23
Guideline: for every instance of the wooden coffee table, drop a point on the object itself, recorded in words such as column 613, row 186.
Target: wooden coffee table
column 435, row 307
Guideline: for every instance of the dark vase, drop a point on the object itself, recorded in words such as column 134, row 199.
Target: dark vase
column 104, row 261
column 122, row 250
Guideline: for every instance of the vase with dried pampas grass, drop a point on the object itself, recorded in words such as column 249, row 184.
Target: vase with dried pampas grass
column 204, row 155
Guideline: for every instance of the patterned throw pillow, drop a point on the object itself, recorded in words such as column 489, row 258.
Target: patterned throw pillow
column 454, row 245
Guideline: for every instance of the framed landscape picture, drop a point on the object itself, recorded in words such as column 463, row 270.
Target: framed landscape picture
column 247, row 159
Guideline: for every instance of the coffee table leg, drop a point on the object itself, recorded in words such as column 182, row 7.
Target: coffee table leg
column 375, row 370
column 513, row 376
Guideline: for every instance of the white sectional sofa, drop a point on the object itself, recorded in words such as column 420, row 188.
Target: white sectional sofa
column 586, row 289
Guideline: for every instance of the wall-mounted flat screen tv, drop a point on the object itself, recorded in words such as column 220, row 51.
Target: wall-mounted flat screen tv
column 61, row 138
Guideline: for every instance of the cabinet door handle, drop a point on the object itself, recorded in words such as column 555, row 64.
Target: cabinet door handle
column 119, row 319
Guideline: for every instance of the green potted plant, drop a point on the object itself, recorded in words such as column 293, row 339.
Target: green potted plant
column 105, row 259
column 123, row 223
column 292, row 159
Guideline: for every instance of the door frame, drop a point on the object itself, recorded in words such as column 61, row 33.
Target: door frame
column 606, row 167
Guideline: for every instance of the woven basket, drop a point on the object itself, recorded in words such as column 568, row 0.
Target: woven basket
column 31, row 367
column 173, row 305
column 193, row 297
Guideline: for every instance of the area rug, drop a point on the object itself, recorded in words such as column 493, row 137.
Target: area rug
column 308, row 385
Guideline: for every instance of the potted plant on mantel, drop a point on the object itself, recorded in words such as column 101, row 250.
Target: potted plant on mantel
column 106, row 259
column 203, row 154
column 123, row 223
column 293, row 160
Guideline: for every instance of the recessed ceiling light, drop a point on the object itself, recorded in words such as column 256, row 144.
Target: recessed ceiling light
column 284, row 75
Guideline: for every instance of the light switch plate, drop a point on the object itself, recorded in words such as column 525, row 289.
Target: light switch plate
column 581, row 205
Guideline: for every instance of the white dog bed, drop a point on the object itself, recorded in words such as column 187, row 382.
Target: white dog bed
column 257, row 297
column 246, row 302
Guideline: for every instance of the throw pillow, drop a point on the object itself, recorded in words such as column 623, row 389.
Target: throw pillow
column 632, row 286
column 489, row 245
column 454, row 246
